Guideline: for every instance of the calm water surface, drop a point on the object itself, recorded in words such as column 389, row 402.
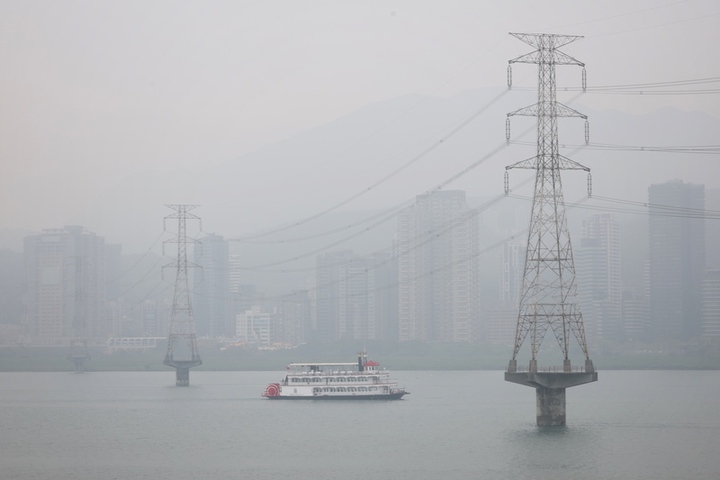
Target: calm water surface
column 454, row 425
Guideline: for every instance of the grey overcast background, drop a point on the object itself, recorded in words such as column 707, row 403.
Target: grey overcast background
column 266, row 112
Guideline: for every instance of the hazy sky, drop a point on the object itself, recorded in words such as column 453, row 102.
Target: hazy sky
column 94, row 92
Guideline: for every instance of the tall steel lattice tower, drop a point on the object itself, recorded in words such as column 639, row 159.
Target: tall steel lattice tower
column 182, row 353
column 548, row 296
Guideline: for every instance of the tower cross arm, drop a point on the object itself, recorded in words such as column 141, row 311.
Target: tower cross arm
column 535, row 39
column 567, row 164
column 565, row 111
column 175, row 264
column 528, row 163
column 560, row 111
column 561, row 58
column 182, row 240
column 529, row 111
column 532, row 57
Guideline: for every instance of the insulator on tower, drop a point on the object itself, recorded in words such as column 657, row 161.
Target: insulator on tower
column 589, row 181
column 509, row 76
column 587, row 132
column 507, row 183
column 584, row 80
column 507, row 130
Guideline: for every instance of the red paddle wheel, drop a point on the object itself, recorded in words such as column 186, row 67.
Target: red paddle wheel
column 272, row 390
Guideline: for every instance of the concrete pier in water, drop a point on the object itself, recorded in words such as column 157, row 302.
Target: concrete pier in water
column 182, row 369
column 550, row 391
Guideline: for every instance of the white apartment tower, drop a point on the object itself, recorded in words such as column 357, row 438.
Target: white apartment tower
column 711, row 304
column 437, row 270
column 211, row 293
column 599, row 277
column 677, row 259
column 354, row 298
column 65, row 286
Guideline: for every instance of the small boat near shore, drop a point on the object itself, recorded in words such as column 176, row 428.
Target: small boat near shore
column 363, row 380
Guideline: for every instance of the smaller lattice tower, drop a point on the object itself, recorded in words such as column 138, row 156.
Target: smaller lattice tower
column 182, row 353
column 548, row 296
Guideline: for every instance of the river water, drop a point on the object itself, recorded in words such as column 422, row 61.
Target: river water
column 454, row 425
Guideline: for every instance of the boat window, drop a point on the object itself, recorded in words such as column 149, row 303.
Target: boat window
column 373, row 389
column 340, row 379
column 350, row 379
column 351, row 389
column 341, row 389
column 362, row 379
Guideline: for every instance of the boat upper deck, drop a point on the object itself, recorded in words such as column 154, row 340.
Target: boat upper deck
column 336, row 368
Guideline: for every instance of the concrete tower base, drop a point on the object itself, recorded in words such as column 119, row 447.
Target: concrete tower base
column 550, row 391
column 79, row 363
column 182, row 370
column 182, row 376
column 550, row 406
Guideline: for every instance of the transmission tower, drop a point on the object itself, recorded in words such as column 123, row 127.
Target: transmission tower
column 548, row 295
column 182, row 353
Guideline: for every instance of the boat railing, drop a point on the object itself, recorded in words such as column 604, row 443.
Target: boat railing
column 551, row 369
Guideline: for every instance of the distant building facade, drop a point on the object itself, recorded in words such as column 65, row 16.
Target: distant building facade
column 355, row 296
column 636, row 317
column 501, row 321
column 599, row 280
column 294, row 318
column 437, row 270
column 677, row 258
column 211, row 293
column 711, row 304
column 65, row 286
column 256, row 326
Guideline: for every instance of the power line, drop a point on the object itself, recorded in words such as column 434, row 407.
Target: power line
column 391, row 210
column 651, row 88
column 659, row 210
column 692, row 149
column 699, row 17
column 385, row 178
column 138, row 260
column 556, row 27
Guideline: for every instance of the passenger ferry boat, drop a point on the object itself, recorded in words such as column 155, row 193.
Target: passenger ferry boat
column 364, row 380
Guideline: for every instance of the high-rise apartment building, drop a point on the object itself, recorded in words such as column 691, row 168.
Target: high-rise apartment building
column 65, row 286
column 677, row 258
column 437, row 270
column 354, row 296
column 501, row 320
column 331, row 273
column 294, row 318
column 211, row 293
column 598, row 274
column 513, row 263
column 635, row 317
column 711, row 304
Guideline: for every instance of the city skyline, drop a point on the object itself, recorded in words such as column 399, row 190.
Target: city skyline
column 612, row 306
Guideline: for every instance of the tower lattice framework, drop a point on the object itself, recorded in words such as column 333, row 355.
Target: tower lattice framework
column 548, row 295
column 182, row 352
